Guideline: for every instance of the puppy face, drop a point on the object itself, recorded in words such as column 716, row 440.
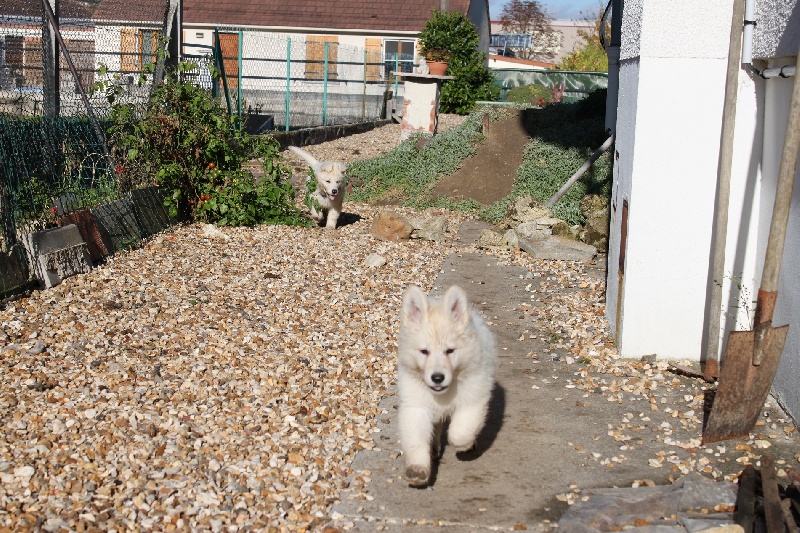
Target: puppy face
column 330, row 178
column 434, row 336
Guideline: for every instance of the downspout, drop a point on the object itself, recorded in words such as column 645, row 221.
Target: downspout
column 786, row 71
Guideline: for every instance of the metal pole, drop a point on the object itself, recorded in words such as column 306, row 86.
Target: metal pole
column 51, row 73
column 239, row 85
column 288, row 77
column 51, row 18
column 364, row 94
column 325, row 89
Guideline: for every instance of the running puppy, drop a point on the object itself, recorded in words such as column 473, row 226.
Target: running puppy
column 445, row 369
column 325, row 202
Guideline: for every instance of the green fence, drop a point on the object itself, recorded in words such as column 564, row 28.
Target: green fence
column 576, row 84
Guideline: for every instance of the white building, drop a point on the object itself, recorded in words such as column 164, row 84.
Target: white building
column 669, row 115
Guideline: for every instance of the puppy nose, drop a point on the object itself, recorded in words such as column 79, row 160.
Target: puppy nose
column 437, row 378
column 335, row 191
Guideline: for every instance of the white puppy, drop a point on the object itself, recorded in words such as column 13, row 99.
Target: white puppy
column 445, row 369
column 326, row 201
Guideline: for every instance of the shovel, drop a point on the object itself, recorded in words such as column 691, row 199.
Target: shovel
column 752, row 357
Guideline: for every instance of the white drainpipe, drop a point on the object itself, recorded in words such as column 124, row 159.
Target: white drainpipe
column 786, row 71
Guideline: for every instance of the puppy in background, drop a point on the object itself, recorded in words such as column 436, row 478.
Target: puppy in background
column 325, row 203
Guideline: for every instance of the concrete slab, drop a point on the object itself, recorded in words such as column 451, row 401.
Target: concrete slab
column 57, row 253
column 558, row 248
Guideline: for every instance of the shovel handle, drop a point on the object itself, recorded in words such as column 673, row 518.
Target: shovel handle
column 765, row 305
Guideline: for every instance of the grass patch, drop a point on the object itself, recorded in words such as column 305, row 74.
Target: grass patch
column 565, row 136
column 408, row 174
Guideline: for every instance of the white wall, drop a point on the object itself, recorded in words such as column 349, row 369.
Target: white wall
column 673, row 61
column 787, row 308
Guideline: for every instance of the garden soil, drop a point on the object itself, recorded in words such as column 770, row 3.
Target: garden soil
column 489, row 175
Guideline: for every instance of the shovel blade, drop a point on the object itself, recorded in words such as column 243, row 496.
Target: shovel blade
column 743, row 387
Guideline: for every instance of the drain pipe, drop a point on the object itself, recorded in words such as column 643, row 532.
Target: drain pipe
column 786, row 71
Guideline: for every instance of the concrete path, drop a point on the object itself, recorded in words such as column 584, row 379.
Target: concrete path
column 544, row 442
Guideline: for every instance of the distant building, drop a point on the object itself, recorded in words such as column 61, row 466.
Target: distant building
column 567, row 39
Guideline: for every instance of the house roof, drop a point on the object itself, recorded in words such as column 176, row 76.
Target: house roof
column 409, row 15
column 68, row 9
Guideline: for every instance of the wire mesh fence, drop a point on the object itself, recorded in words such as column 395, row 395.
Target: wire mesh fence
column 283, row 82
column 55, row 165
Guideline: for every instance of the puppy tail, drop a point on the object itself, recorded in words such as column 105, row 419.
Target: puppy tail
column 305, row 155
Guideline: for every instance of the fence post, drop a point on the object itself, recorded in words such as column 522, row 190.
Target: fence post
column 288, row 77
column 239, row 84
column 364, row 94
column 325, row 88
column 51, row 82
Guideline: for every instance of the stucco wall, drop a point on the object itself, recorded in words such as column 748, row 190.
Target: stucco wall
column 787, row 309
column 777, row 32
column 669, row 121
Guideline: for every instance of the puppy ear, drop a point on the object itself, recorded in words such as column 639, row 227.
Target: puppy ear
column 455, row 301
column 415, row 305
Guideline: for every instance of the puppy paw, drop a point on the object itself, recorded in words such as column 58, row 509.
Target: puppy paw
column 464, row 448
column 417, row 475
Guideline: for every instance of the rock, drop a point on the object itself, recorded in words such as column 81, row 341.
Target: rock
column 558, row 248
column 429, row 228
column 525, row 209
column 512, row 240
column 593, row 205
column 490, row 239
column 389, row 226
column 595, row 209
column 562, row 229
column 530, row 230
column 213, row 232
column 547, row 223
column 374, row 261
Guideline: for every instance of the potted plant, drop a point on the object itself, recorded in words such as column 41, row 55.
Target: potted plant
column 435, row 40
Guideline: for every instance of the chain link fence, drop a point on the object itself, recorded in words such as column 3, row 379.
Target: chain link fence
column 55, row 167
column 285, row 82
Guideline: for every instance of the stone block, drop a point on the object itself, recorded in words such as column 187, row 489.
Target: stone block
column 57, row 253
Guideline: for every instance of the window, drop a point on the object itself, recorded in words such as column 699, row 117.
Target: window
column 315, row 57
column 511, row 40
column 398, row 55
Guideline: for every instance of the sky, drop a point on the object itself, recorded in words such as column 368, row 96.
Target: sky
column 557, row 9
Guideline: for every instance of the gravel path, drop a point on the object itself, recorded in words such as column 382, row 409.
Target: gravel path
column 202, row 382
column 215, row 381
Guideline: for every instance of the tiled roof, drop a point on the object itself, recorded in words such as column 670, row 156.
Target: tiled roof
column 408, row 15
column 134, row 11
column 68, row 9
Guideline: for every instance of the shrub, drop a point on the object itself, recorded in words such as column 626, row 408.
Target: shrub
column 183, row 141
column 455, row 33
column 530, row 94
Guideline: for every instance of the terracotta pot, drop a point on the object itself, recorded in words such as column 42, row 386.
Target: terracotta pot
column 437, row 68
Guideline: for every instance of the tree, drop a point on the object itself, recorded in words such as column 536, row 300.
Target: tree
column 528, row 17
column 591, row 55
